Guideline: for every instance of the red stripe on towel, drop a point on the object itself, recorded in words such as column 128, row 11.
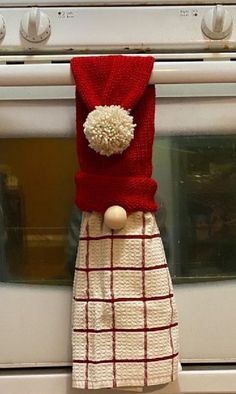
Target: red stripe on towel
column 100, row 330
column 153, row 267
column 124, row 299
column 170, row 333
column 113, row 317
column 144, row 303
column 128, row 360
column 120, row 236
column 87, row 311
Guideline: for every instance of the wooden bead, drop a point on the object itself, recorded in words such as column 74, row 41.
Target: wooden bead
column 115, row 217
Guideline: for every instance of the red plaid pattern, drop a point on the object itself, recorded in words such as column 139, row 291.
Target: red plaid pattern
column 125, row 330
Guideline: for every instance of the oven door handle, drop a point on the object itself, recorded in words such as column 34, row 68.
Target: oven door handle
column 163, row 73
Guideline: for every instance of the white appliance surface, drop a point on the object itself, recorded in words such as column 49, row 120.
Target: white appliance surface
column 117, row 28
column 217, row 381
column 35, row 326
column 207, row 319
column 73, row 3
column 35, row 329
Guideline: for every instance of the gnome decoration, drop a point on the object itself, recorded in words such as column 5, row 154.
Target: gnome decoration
column 125, row 329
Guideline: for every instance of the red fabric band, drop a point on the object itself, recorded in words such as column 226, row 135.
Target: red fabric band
column 133, row 193
column 121, row 179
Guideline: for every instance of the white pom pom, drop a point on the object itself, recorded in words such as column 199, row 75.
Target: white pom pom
column 115, row 217
column 109, row 129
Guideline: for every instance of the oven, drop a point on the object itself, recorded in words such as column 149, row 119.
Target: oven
column 194, row 163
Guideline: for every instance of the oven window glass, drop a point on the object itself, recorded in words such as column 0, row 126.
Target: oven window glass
column 39, row 224
column 197, row 199
column 36, row 198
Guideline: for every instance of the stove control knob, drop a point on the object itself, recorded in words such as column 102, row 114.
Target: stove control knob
column 35, row 26
column 2, row 28
column 217, row 23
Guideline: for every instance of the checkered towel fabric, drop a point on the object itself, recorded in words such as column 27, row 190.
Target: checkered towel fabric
column 125, row 330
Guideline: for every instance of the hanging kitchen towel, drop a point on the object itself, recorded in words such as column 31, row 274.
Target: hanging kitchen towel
column 124, row 319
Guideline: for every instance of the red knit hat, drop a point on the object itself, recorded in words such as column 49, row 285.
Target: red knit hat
column 121, row 179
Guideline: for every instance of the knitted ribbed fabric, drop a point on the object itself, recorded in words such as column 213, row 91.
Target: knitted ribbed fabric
column 121, row 179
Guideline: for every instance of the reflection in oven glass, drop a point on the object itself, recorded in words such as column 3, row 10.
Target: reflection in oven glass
column 198, row 188
column 39, row 224
column 36, row 197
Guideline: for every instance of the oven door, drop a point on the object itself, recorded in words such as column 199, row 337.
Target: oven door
column 195, row 165
column 39, row 225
